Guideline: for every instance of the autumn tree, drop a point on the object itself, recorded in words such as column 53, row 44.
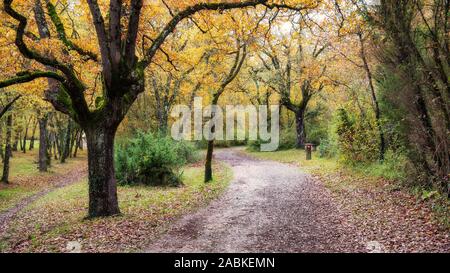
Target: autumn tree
column 122, row 73
column 296, row 72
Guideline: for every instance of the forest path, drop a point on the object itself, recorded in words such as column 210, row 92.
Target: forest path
column 72, row 176
column 269, row 207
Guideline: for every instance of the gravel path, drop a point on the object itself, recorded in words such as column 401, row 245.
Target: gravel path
column 269, row 207
column 68, row 178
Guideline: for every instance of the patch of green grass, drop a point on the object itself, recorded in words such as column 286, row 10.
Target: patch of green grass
column 25, row 178
column 317, row 164
column 10, row 196
column 391, row 169
column 59, row 217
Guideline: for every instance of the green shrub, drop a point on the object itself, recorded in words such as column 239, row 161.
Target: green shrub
column 394, row 167
column 187, row 151
column 288, row 141
column 152, row 160
column 357, row 138
column 327, row 148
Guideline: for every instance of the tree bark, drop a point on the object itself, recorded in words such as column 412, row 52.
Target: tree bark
column 16, row 140
column 208, row 162
column 24, row 145
column 77, row 142
column 300, row 129
column 33, row 135
column 8, row 152
column 66, row 144
column 1, row 142
column 43, row 156
column 102, row 180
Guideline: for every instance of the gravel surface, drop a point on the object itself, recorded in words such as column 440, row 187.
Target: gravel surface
column 269, row 207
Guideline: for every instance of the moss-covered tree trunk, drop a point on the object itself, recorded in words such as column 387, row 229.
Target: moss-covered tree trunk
column 43, row 157
column 102, row 180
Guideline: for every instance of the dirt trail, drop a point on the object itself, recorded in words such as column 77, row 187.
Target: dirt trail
column 66, row 179
column 269, row 207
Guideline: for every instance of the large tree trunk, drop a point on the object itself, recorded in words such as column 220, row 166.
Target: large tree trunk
column 300, row 129
column 8, row 152
column 43, row 157
column 102, row 180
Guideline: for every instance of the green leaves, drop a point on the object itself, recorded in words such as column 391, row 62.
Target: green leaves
column 152, row 160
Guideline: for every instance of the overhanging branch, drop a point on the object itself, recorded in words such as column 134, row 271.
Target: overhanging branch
column 171, row 25
column 63, row 36
column 28, row 76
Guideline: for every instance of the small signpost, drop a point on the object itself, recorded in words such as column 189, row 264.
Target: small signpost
column 309, row 148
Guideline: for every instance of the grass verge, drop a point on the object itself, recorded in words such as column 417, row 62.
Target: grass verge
column 59, row 217
column 26, row 180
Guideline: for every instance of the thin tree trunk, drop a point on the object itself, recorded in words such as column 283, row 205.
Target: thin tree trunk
column 77, row 142
column 375, row 102
column 66, row 143
column 8, row 152
column 208, row 163
column 24, row 145
column 43, row 154
column 73, row 142
column 16, row 141
column 33, row 135
column 56, row 151
column 1, row 142
column 20, row 142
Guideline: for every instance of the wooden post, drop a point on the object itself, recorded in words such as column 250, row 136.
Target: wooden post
column 308, row 148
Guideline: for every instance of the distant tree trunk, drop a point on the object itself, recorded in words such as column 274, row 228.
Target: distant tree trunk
column 73, row 142
column 56, row 152
column 59, row 144
column 375, row 102
column 43, row 154
column 78, row 138
column 1, row 141
column 33, row 136
column 80, row 141
column 24, row 145
column 16, row 141
column 8, row 152
column 20, row 142
column 66, row 143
